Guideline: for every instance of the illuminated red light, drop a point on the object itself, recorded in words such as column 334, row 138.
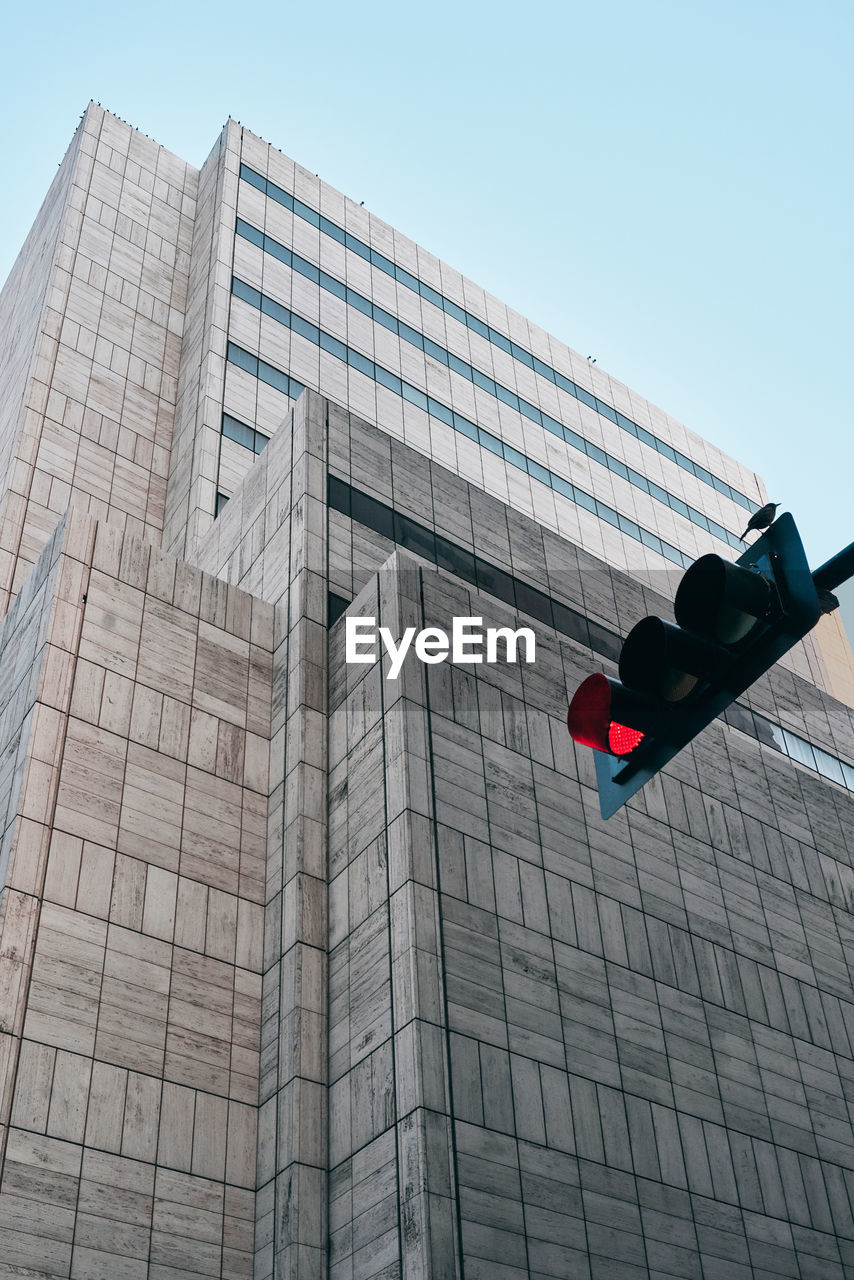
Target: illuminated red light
column 589, row 719
column 622, row 740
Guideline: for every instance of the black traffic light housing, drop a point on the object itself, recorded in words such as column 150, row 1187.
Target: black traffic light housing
column 733, row 622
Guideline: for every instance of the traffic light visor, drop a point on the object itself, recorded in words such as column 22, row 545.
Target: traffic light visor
column 593, row 720
column 722, row 601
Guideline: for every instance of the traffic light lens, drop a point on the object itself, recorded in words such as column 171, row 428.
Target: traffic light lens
column 622, row 740
column 590, row 718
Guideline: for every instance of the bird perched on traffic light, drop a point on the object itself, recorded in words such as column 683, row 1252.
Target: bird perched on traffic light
column 762, row 518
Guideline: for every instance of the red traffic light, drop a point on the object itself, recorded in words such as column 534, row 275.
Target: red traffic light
column 592, row 717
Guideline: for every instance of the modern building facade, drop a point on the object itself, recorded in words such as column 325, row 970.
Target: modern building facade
column 306, row 972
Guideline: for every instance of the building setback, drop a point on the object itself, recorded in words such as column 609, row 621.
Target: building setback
column 306, row 972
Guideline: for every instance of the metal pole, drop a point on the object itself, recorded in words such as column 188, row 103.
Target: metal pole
column 837, row 569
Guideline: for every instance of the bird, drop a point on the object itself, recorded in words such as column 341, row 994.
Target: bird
column 762, row 518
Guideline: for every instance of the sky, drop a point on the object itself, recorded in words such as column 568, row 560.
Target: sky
column 664, row 185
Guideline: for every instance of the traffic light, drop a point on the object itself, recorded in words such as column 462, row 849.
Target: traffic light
column 733, row 621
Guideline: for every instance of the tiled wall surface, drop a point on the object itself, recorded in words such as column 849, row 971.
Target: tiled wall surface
column 94, row 419
column 137, row 692
column 620, row 1049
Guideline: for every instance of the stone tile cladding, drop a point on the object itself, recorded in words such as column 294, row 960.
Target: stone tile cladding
column 134, row 740
column 94, row 375
column 555, row 1046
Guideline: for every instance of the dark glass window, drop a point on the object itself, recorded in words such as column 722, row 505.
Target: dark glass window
column 507, row 396
column 459, row 366
column 337, row 348
column 534, row 602
column 333, row 286
column 490, row 442
column 651, row 540
column 276, row 310
column 430, row 294
column 361, row 304
column 414, row 396
column 523, row 356
column 248, row 232
column 411, row 335
column 478, row 326
column 330, row 229
column 530, row 412
column 352, row 242
column 452, row 309
column 383, row 263
column 604, row 641
column 254, row 179
column 243, row 359
column 237, row 431
column 438, row 353
column 277, row 250
column 518, row 459
column 596, row 453
column 241, row 289
column 406, row 278
column 387, row 379
column 338, row 494
column 337, row 606
column 362, row 363
column 221, row 500
column 571, row 623
column 414, row 537
column 386, row 320
column 455, row 559
column 481, row 380
column 495, row 581
column 274, row 377
column 307, row 269
column 465, row 427
column 376, row 515
column 539, row 472
column 309, row 215
column 440, row 411
column 306, row 330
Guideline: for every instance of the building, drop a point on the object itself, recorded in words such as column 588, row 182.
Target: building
column 308, row 972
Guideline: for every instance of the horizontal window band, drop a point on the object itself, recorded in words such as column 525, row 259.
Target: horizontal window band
column 252, row 295
column 497, row 339
column 234, row 429
column 462, row 426
column 519, row 594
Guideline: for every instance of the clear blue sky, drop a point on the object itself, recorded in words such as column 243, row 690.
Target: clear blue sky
column 664, row 185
